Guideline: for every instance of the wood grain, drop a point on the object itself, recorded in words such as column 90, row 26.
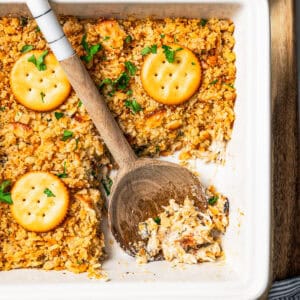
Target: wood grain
column 285, row 141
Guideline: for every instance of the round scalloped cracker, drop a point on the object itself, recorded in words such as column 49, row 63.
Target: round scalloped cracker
column 40, row 201
column 39, row 90
column 171, row 83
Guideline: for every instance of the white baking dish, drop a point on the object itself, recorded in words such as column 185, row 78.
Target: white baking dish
column 245, row 178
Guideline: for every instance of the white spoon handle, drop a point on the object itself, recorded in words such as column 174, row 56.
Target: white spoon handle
column 51, row 29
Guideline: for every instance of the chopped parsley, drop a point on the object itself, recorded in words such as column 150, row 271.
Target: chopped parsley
column 90, row 50
column 39, row 62
column 67, row 135
column 26, row 48
column 148, row 50
column 175, row 39
column 230, row 85
column 129, row 93
column 76, row 142
column 213, row 82
column 37, row 29
column 213, row 200
column 23, row 21
column 162, row 35
column 193, row 63
column 2, row 108
column 104, row 82
column 48, row 192
column 128, row 39
column 107, row 184
column 122, row 82
column 79, row 103
column 42, row 96
column 106, row 38
column 203, row 22
column 130, row 67
column 157, row 220
column 170, row 53
column 157, row 148
column 133, row 105
column 64, row 174
column 58, row 115
column 5, row 196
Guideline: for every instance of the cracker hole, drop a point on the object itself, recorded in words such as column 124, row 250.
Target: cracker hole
column 155, row 74
column 27, row 74
column 23, row 200
column 30, row 89
column 44, row 215
column 177, row 87
column 32, row 187
column 162, row 87
column 178, row 61
column 29, row 213
column 39, row 201
column 185, row 74
column 170, row 74
column 53, row 72
column 55, row 85
column 163, row 61
column 41, row 80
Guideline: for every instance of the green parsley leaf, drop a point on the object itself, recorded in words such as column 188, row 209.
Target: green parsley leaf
column 76, row 141
column 214, row 82
column 157, row 148
column 5, row 196
column 42, row 96
column 203, row 22
column 64, row 174
column 2, row 108
column 23, row 21
column 90, row 50
column 39, row 62
column 128, row 39
column 162, row 35
column 133, row 105
column 107, row 184
column 175, row 39
column 26, row 48
column 230, row 85
column 151, row 49
column 67, row 135
column 37, row 29
column 106, row 38
column 213, row 200
column 79, row 103
column 130, row 67
column 48, row 193
column 122, row 82
column 58, row 115
column 129, row 93
column 104, row 82
column 157, row 220
column 170, row 53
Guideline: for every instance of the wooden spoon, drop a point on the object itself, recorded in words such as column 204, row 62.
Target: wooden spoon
column 143, row 186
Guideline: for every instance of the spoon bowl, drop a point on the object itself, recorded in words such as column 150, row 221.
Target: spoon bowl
column 141, row 191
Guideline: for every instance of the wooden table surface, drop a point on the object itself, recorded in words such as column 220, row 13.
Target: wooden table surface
column 285, row 142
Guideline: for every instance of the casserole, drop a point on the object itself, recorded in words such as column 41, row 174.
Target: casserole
column 245, row 178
